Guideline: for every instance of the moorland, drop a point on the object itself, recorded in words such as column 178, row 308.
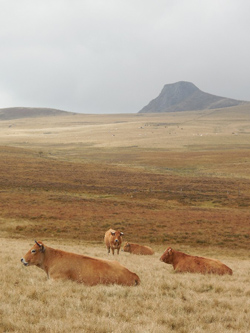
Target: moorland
column 179, row 179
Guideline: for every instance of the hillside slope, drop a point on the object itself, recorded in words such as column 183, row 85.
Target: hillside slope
column 185, row 96
column 24, row 112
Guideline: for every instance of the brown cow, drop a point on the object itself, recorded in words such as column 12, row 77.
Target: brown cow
column 137, row 249
column 113, row 240
column 90, row 271
column 186, row 263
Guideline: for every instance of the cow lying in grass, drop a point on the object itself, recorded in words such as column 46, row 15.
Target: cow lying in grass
column 65, row 265
column 137, row 249
column 186, row 263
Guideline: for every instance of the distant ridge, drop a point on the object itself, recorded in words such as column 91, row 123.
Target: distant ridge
column 185, row 96
column 23, row 112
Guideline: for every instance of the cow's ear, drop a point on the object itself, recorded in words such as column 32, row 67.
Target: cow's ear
column 170, row 250
column 112, row 233
column 42, row 248
column 121, row 233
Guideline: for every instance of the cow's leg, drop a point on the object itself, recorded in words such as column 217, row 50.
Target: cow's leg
column 108, row 249
column 118, row 250
column 113, row 250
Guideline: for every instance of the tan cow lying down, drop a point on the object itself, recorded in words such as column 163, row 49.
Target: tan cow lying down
column 137, row 249
column 90, row 271
column 186, row 263
column 113, row 240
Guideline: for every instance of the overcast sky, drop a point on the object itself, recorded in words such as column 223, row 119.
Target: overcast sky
column 114, row 56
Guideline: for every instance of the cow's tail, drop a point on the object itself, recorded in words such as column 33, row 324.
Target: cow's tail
column 137, row 281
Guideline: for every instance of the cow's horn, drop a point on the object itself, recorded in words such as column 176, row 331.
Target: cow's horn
column 38, row 243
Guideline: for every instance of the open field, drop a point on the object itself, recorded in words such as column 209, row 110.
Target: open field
column 222, row 128
column 70, row 177
column 164, row 302
column 180, row 180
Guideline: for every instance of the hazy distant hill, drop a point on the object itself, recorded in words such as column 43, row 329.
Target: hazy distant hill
column 19, row 112
column 185, row 96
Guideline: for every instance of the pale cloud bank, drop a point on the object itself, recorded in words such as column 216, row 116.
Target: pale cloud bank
column 114, row 56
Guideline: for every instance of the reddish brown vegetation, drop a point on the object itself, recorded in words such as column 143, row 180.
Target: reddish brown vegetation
column 48, row 197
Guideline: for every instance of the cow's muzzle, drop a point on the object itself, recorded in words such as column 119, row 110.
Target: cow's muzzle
column 24, row 262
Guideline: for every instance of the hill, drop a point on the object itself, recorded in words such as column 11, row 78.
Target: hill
column 24, row 112
column 185, row 96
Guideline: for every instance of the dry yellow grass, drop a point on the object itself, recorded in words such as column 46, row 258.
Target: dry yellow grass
column 177, row 130
column 179, row 179
column 164, row 302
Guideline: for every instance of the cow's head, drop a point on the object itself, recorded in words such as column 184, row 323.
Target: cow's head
column 126, row 247
column 35, row 255
column 167, row 256
column 117, row 237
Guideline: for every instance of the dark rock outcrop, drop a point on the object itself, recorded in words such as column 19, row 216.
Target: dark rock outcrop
column 185, row 96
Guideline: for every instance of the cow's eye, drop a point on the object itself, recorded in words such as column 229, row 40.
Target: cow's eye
column 33, row 251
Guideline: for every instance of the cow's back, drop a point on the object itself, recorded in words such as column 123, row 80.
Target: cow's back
column 140, row 249
column 194, row 264
column 95, row 271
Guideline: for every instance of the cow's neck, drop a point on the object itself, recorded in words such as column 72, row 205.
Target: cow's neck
column 49, row 255
column 177, row 256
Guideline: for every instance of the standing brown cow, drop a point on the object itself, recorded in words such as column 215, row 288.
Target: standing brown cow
column 113, row 240
column 186, row 263
column 137, row 249
column 88, row 270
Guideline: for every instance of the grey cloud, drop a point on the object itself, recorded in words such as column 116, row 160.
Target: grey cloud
column 115, row 56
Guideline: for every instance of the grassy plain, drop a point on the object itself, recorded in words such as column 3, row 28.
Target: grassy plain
column 164, row 302
column 180, row 179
